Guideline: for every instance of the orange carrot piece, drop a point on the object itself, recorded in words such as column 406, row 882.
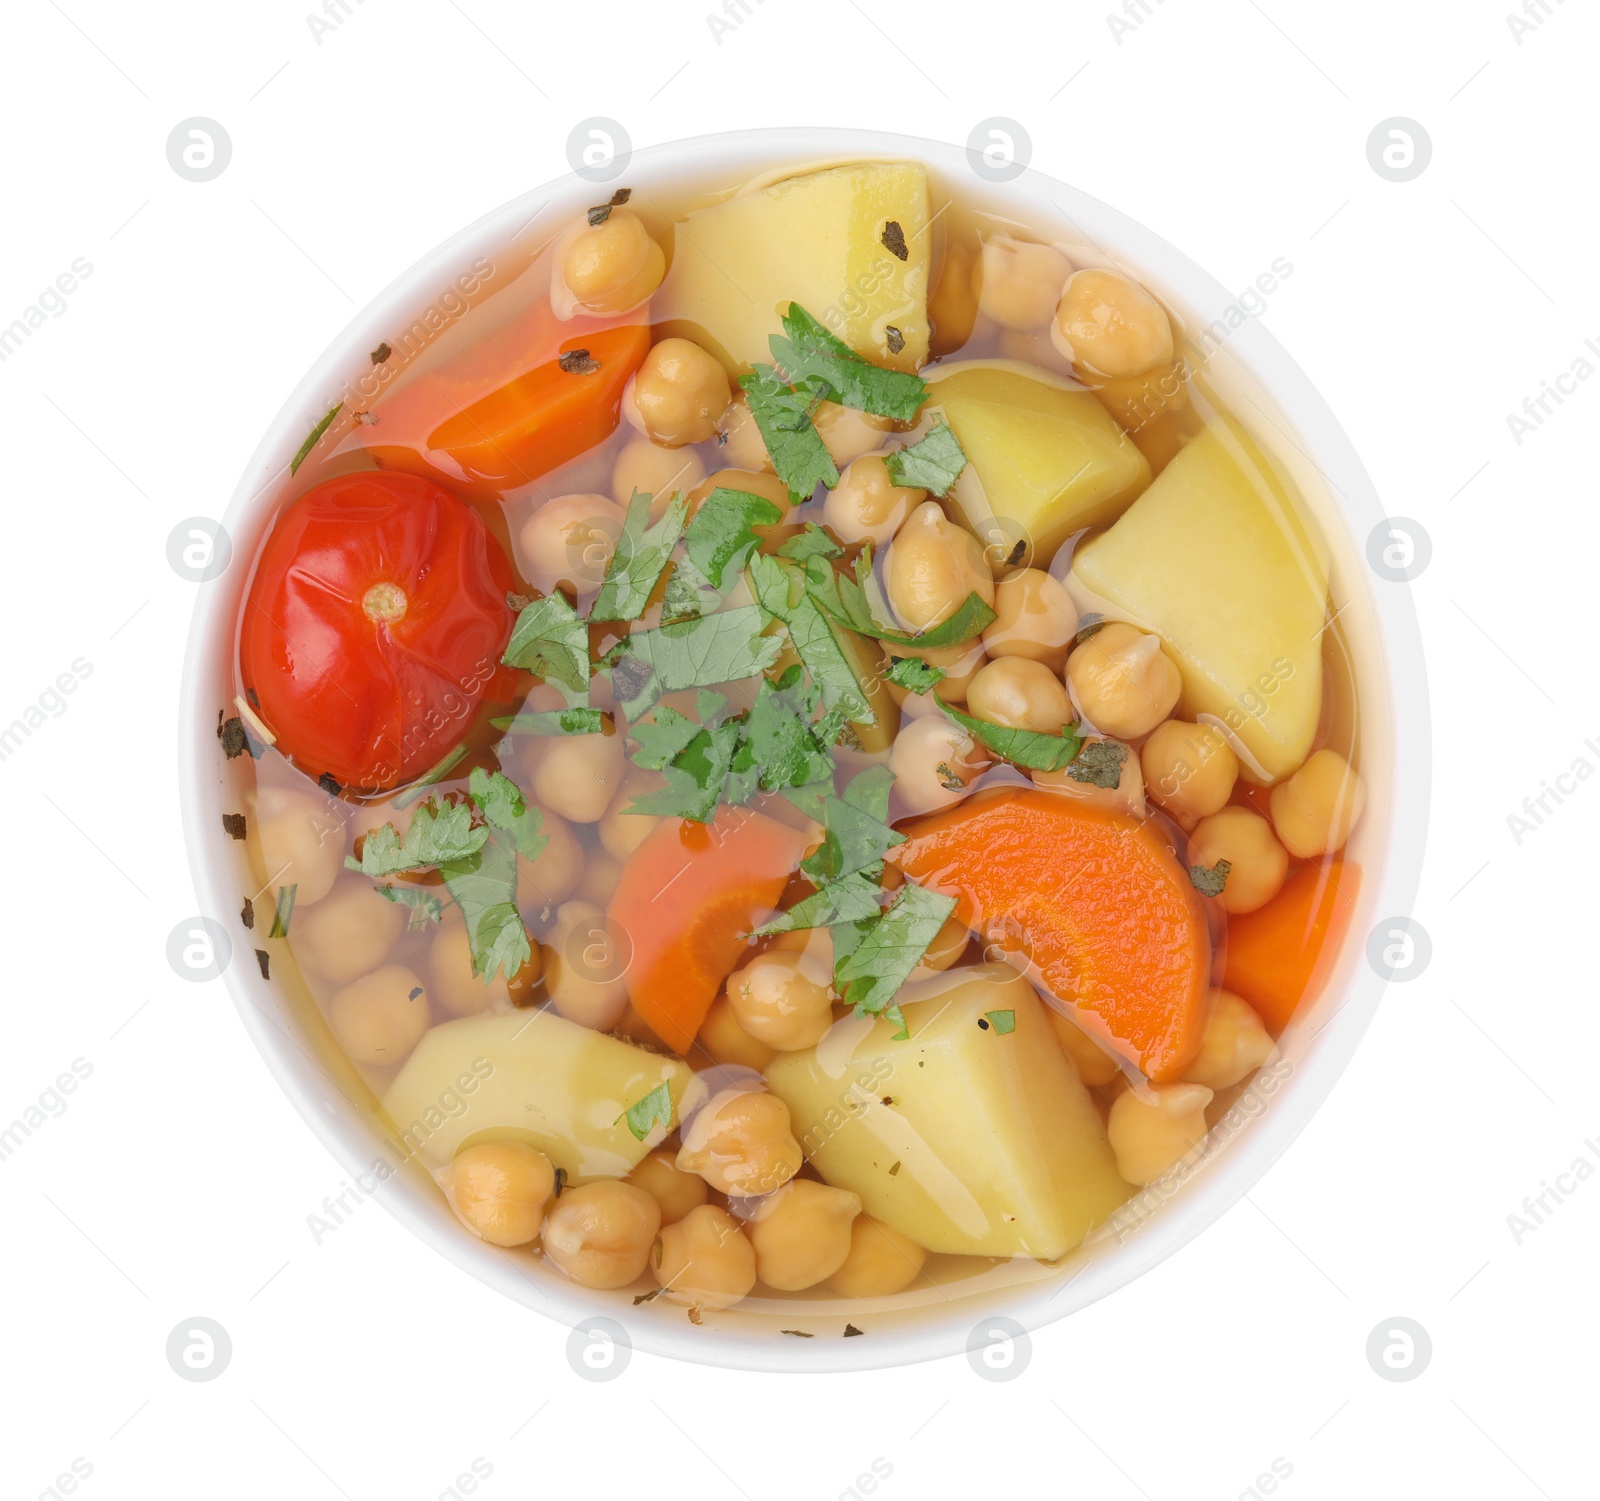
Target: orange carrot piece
column 1091, row 902
column 686, row 899
column 1278, row 957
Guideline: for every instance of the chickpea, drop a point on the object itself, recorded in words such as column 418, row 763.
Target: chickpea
column 576, row 775
column 601, row 872
column 740, row 438
column 500, row 1188
column 1019, row 283
column 881, row 1261
column 1034, row 618
column 1234, row 1046
column 381, row 1017
column 1110, row 326
column 1123, row 681
column 1126, row 797
column 614, row 265
column 948, row 945
column 680, row 392
column 1094, row 1064
column 705, row 1260
column 1257, row 863
column 569, row 541
column 622, row 832
column 783, row 999
column 1033, row 347
column 802, row 1234
column 725, row 1041
column 1150, row 1137
column 1189, row 770
column 933, row 761
column 740, row 1143
column 347, row 933
column 299, row 842
column 846, row 433
column 675, row 1193
column 866, row 505
column 601, row 1234
column 952, row 306
column 933, row 566
column 659, row 472
column 551, row 878
column 1021, row 695
column 753, row 482
column 455, row 988
column 584, row 968
column 1317, row 807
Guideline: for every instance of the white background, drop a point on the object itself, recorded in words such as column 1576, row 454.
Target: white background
column 178, row 1182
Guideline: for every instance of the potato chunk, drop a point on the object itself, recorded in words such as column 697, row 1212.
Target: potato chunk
column 967, row 1137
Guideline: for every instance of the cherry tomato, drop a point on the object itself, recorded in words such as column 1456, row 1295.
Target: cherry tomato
column 374, row 627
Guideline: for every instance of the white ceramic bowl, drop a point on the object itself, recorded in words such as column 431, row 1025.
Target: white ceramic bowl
column 1263, row 387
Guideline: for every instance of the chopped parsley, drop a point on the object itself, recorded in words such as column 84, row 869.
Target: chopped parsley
column 813, row 542
column 1210, row 882
column 639, row 559
column 1033, row 749
column 783, row 418
column 849, row 600
column 311, row 437
column 869, row 973
column 720, row 538
column 915, row 675
column 500, row 801
column 1001, row 1021
column 1099, row 764
column 431, row 777
column 856, row 838
column 855, row 899
column 484, row 887
column 813, row 357
column 280, row 918
column 781, row 589
column 644, row 1115
column 436, row 835
column 551, row 640
column 575, row 721
column 723, row 648
column 932, row 463
column 424, row 907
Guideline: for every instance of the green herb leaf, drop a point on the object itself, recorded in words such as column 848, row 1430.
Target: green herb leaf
column 856, row 838
column 915, row 675
column 720, row 536
column 484, row 887
column 1210, row 882
column 857, row 898
column 845, row 599
column 813, row 542
column 424, row 906
column 892, row 945
column 430, row 778
column 722, row 648
column 696, row 777
column 311, row 437
column 280, row 918
column 781, row 743
column 1099, row 764
column 437, row 835
column 1030, row 748
column 641, row 556
column 812, row 355
column 575, row 721
column 932, row 463
column 551, row 640
column 655, row 1109
column 1002, row 1021
column 687, row 594
column 500, row 801
column 662, row 737
column 793, row 442
column 781, row 591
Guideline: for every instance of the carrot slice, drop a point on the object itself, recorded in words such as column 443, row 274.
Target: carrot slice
column 1090, row 902
column 686, row 899
column 1278, row 957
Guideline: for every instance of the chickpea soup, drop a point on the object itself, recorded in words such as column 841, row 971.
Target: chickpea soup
column 794, row 743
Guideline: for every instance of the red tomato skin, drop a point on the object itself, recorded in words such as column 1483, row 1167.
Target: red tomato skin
column 373, row 703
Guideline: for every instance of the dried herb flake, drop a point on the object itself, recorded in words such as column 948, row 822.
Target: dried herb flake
column 233, row 825
column 894, row 241
column 578, row 362
column 895, row 339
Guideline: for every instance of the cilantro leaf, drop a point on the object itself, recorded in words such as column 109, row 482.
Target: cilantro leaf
column 1002, row 1021
column 484, row 887
column 812, row 355
column 437, row 834
column 811, row 635
column 722, row 648
column 500, row 801
column 813, row 542
column 857, row 898
column 870, row 975
column 579, row 720
column 793, row 442
column 551, row 640
column 720, row 538
column 1210, row 882
column 1099, row 763
column 915, row 675
column 640, row 558
column 932, row 463
column 1031, row 748
column 424, row 906
column 644, row 1115
column 845, row 599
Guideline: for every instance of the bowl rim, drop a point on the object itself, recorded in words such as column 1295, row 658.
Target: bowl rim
column 350, row 1137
